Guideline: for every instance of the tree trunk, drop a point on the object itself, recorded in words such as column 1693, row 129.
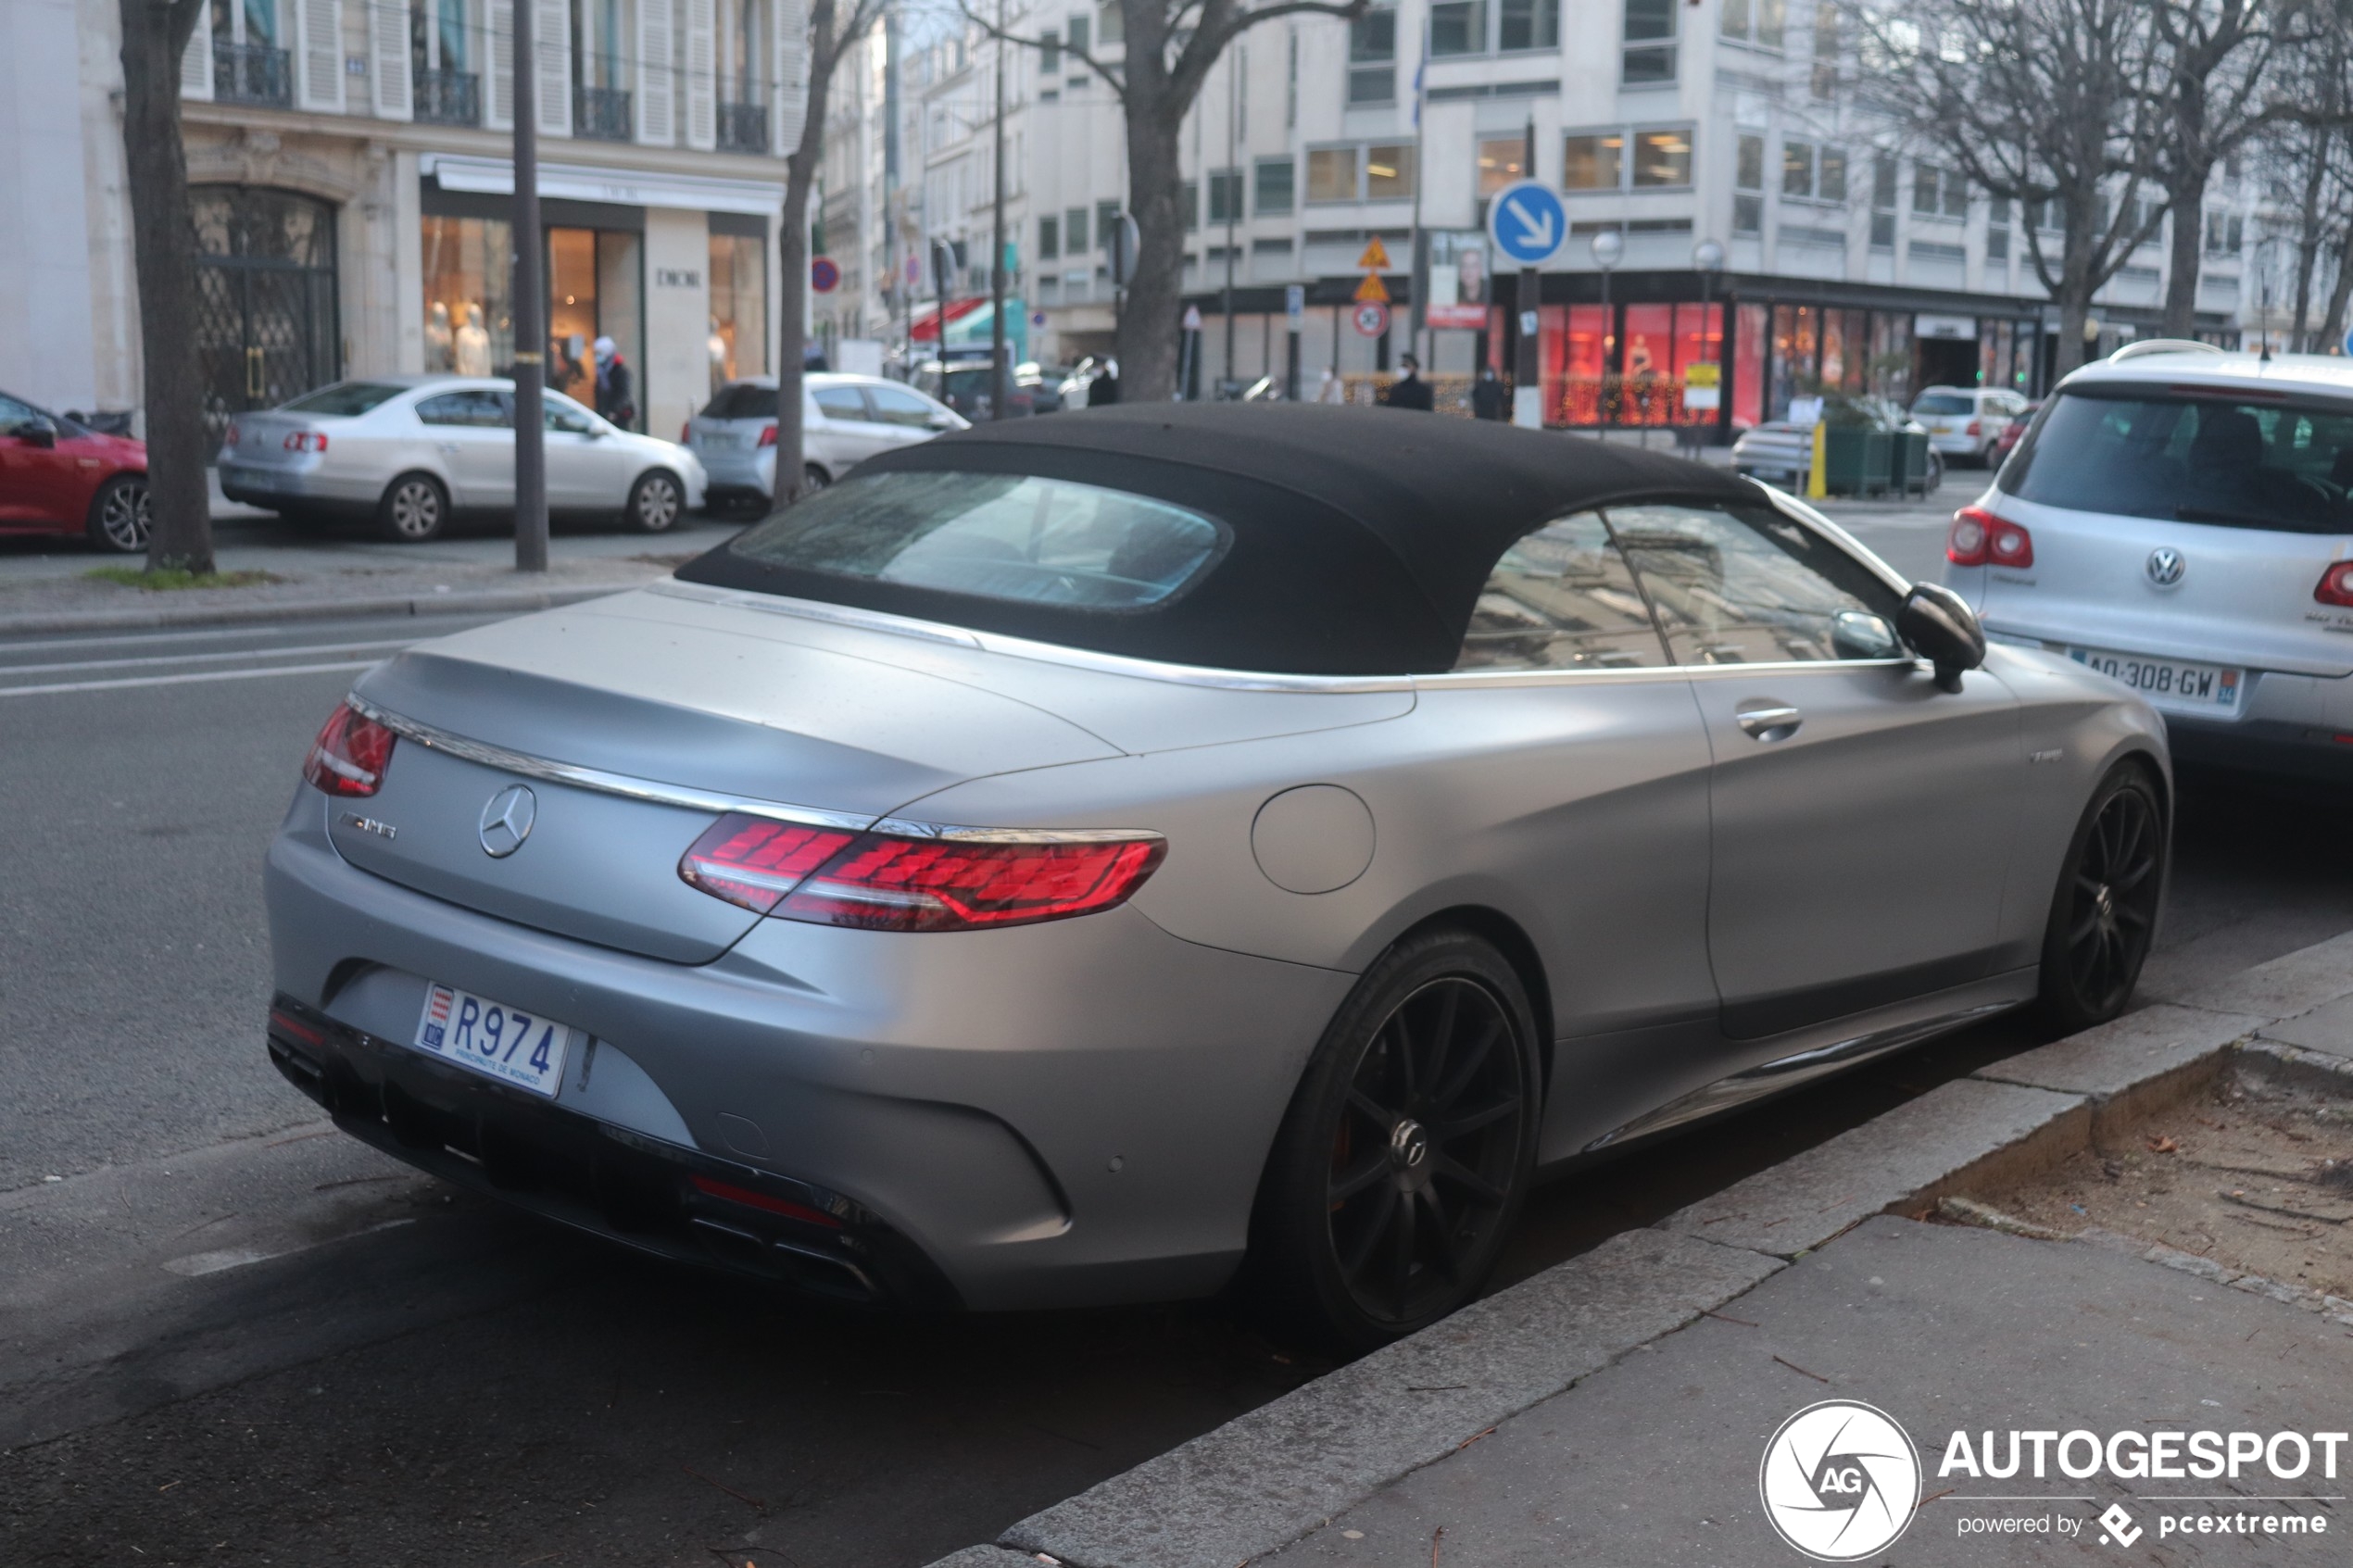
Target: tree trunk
column 2186, row 193
column 2308, row 234
column 164, row 246
column 1148, row 322
column 2333, row 329
column 792, row 261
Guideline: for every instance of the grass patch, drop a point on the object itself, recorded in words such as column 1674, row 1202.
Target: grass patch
column 173, row 578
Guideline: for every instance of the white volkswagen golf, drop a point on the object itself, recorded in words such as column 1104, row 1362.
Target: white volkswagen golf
column 2182, row 520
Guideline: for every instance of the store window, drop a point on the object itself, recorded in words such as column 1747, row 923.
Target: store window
column 468, row 313
column 1748, row 366
column 594, row 291
column 738, row 306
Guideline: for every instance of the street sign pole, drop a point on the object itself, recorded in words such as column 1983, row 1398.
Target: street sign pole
column 530, row 310
column 1525, row 223
column 1294, row 313
column 1001, row 380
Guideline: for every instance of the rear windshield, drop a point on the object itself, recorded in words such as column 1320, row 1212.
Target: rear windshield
column 344, row 398
column 742, row 401
column 2191, row 458
column 995, row 536
column 1941, row 403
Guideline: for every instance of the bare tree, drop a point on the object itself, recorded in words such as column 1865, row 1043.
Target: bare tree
column 2213, row 92
column 831, row 34
column 163, row 238
column 2047, row 103
column 1169, row 47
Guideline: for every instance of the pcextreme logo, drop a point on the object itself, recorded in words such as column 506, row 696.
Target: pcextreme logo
column 1840, row 1481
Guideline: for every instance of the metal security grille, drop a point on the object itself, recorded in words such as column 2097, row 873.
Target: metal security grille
column 265, row 298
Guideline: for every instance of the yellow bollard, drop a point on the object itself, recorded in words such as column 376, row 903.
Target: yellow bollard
column 1818, row 472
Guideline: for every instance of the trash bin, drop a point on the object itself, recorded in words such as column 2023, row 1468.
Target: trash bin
column 1907, row 453
column 1855, row 461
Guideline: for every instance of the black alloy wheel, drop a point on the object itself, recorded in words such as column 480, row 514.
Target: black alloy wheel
column 414, row 510
column 1403, row 1159
column 120, row 515
column 2104, row 915
column 655, row 503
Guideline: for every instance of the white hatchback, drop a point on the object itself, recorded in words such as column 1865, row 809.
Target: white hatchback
column 2182, row 520
column 845, row 420
column 1965, row 423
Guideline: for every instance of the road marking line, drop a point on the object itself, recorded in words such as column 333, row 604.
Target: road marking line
column 183, row 680
column 254, row 629
column 8, row 670
column 197, row 1264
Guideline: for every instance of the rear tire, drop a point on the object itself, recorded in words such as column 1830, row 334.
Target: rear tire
column 813, row 478
column 120, row 516
column 655, row 503
column 415, row 508
column 1402, row 1161
column 2104, row 912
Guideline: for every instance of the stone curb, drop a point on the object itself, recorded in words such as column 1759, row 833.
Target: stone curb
column 1268, row 1478
column 490, row 601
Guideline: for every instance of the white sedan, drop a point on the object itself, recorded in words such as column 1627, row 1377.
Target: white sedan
column 412, row 451
column 844, row 420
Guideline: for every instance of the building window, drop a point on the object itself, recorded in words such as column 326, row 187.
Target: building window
column 1111, row 24
column 1188, row 204
column 1939, row 193
column 1529, row 24
column 1598, row 161
column 1290, row 81
column 2226, row 235
column 1389, row 172
column 1761, row 22
column 1049, row 54
column 1377, row 171
column 1106, row 219
column 1049, row 238
column 1372, row 63
column 1813, row 173
column 1079, row 31
column 738, row 307
column 1592, row 162
column 1501, row 160
column 1884, row 201
column 1458, row 26
column 1075, row 232
column 1226, row 195
column 1277, row 191
column 1825, row 81
column 1476, row 27
column 1650, row 42
column 1748, row 182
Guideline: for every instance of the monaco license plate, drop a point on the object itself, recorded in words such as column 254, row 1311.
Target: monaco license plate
column 494, row 1039
column 2169, row 682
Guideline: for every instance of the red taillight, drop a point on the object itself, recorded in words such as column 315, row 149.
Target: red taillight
column 767, row 436
column 687, row 432
column 882, row 881
column 751, row 1199
column 2335, row 585
column 305, row 441
column 1977, row 427
column 754, row 862
column 1979, row 538
column 351, row 753
column 232, row 438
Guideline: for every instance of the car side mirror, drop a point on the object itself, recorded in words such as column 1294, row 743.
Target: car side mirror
column 942, row 420
column 34, row 432
column 1940, row 628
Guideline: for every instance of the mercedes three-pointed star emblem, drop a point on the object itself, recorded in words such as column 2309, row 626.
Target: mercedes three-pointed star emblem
column 506, row 821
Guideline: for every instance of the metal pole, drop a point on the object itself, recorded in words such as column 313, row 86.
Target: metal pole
column 1233, row 102
column 1527, row 395
column 1000, row 380
column 530, row 308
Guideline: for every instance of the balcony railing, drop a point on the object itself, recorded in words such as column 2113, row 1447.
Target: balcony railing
column 743, row 128
column 448, row 98
column 251, row 73
column 601, row 113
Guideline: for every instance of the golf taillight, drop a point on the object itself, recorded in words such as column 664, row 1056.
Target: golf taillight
column 305, row 441
column 887, row 882
column 350, row 755
column 753, row 861
column 768, row 435
column 1979, row 538
column 2336, row 586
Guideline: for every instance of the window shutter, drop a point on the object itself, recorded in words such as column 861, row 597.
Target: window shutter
column 389, row 44
column 702, row 84
column 792, row 74
column 499, row 96
column 656, row 86
column 196, row 66
column 551, row 32
column 320, row 49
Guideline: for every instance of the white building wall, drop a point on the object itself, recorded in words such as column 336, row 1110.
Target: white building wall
column 48, row 338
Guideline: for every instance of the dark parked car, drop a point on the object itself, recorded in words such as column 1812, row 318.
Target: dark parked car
column 58, row 476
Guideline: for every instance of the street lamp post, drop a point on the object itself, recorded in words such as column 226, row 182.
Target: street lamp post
column 1000, row 380
column 529, row 310
column 1609, row 246
column 1707, row 259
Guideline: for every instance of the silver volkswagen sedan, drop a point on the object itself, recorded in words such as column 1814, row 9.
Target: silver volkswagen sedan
column 410, row 452
column 844, row 420
column 1091, row 859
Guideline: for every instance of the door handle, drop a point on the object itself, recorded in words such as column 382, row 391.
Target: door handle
column 1769, row 723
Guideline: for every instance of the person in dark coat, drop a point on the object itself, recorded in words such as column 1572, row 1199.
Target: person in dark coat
column 1410, row 390
column 1489, row 399
column 1105, row 388
column 615, row 398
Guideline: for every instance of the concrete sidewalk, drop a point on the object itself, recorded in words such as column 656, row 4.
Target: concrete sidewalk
column 1616, row 1409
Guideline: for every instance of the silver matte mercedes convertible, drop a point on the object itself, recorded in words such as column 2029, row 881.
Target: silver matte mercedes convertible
column 1114, row 857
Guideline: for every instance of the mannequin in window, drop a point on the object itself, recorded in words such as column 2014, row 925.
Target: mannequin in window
column 437, row 337
column 472, row 356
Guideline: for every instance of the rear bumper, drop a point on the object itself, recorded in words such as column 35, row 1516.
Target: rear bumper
column 257, row 485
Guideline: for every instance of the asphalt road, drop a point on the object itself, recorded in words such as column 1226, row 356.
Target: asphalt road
column 226, row 1338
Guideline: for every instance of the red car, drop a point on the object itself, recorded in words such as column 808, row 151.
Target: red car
column 59, row 477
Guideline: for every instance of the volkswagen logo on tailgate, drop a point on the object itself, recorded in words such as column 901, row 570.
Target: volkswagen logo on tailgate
column 506, row 821
column 2165, row 566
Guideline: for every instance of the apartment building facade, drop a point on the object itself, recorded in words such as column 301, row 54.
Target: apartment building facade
column 350, row 176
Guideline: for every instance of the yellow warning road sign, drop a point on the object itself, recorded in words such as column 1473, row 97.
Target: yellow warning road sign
column 1373, row 290
column 1376, row 257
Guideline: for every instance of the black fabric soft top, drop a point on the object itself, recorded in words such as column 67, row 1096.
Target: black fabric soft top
column 1361, row 536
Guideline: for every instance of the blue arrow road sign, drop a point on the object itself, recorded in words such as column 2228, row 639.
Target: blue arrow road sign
column 1526, row 222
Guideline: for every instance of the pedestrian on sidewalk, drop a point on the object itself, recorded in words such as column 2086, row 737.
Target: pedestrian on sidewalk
column 1104, row 389
column 1410, row 390
column 1490, row 399
column 616, row 400
column 1331, row 389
